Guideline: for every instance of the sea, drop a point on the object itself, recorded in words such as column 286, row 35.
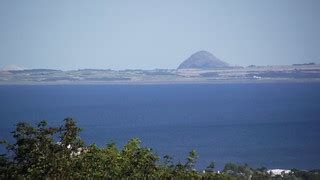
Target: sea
column 275, row 125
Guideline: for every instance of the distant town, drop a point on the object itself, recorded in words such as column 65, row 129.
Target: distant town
column 201, row 67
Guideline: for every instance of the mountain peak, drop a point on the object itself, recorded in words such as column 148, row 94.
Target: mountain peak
column 202, row 60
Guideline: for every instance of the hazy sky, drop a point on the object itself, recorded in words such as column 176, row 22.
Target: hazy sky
column 147, row 34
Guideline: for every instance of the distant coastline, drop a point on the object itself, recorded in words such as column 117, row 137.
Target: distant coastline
column 163, row 82
column 233, row 74
column 201, row 67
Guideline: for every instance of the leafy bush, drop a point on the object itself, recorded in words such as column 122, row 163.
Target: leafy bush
column 58, row 152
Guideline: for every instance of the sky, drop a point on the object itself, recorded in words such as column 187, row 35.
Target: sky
column 149, row 34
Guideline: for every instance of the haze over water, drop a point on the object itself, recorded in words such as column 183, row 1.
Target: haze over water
column 271, row 124
column 143, row 34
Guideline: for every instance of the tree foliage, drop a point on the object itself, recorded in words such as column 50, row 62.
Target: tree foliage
column 58, row 152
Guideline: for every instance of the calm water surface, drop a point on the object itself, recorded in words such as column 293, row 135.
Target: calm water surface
column 272, row 125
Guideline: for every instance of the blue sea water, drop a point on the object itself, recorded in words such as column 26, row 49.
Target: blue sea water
column 276, row 125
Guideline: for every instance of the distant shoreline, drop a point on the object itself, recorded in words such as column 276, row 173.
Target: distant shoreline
column 244, row 81
column 268, row 74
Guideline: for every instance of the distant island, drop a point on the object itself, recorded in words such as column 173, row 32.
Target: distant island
column 200, row 67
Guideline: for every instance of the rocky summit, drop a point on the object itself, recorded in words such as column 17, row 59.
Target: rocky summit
column 202, row 60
